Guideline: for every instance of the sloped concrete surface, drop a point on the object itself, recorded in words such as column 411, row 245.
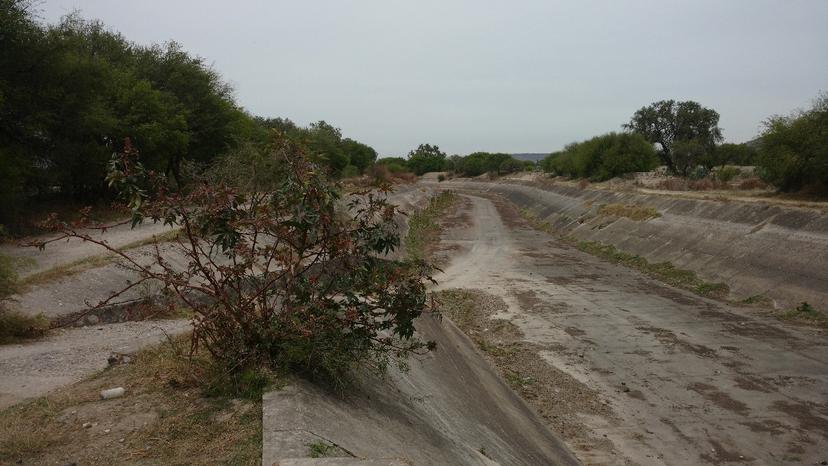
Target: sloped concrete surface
column 449, row 408
column 779, row 252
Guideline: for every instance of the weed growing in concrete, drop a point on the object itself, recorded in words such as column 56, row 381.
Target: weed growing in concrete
column 423, row 227
column 15, row 326
column 807, row 313
column 320, row 449
column 663, row 271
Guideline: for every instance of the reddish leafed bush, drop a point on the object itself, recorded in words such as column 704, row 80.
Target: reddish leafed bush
column 278, row 276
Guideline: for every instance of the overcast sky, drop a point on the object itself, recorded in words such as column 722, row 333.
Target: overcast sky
column 517, row 76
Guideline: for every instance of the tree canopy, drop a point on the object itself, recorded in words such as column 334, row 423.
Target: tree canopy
column 426, row 158
column 793, row 152
column 603, row 157
column 70, row 94
column 666, row 122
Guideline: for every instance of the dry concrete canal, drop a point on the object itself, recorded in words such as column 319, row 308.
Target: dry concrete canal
column 640, row 372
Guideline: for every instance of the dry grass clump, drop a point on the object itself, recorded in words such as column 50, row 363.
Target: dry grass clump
column 16, row 327
column 166, row 417
column 710, row 184
column 638, row 213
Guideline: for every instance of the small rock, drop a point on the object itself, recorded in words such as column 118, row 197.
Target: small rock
column 87, row 425
column 112, row 393
column 106, row 431
column 625, row 389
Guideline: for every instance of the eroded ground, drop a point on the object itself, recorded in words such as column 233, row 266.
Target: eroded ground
column 627, row 369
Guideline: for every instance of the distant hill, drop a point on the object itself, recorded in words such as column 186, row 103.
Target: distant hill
column 531, row 156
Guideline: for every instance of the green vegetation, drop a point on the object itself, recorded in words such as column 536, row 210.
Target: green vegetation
column 603, row 157
column 423, row 227
column 71, row 93
column 793, row 154
column 426, row 158
column 347, row 307
column 663, row 271
column 15, row 326
column 806, row 313
column 758, row 299
column 638, row 213
column 668, row 122
column 726, row 174
column 479, row 163
column 320, row 449
column 735, row 154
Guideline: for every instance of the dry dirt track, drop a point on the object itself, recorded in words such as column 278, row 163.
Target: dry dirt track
column 688, row 380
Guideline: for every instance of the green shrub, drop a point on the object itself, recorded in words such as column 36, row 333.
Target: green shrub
column 727, row 174
column 794, row 150
column 327, row 298
column 691, row 159
column 735, row 154
column 603, row 157
column 698, row 172
column 350, row 171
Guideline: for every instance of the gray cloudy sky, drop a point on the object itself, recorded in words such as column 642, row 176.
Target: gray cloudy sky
column 518, row 76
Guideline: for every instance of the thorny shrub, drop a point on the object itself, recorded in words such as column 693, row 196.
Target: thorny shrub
column 277, row 275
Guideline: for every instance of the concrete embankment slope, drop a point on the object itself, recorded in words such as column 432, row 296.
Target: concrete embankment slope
column 449, row 408
column 756, row 249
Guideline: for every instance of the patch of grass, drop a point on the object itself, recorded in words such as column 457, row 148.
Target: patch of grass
column 757, row 299
column 663, row 271
column 319, row 449
column 423, row 228
column 16, row 327
column 805, row 313
column 91, row 262
column 165, row 417
column 536, row 222
column 517, row 381
column 639, row 213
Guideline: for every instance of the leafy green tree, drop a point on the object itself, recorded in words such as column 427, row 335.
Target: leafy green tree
column 735, row 154
column 603, row 157
column 666, row 122
column 426, row 158
column 360, row 155
column 794, row 149
column 688, row 155
column 325, row 142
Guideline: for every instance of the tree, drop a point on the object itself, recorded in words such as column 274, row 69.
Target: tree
column 360, row 155
column 688, row 155
column 735, row 154
column 603, row 157
column 426, row 158
column 666, row 122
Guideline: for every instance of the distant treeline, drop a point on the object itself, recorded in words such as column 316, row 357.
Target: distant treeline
column 71, row 93
column 791, row 153
column 428, row 158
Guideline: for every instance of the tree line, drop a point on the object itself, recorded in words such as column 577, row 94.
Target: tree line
column 791, row 152
column 71, row 93
column 429, row 158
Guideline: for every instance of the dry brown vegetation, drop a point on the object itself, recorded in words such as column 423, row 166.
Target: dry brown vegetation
column 165, row 417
